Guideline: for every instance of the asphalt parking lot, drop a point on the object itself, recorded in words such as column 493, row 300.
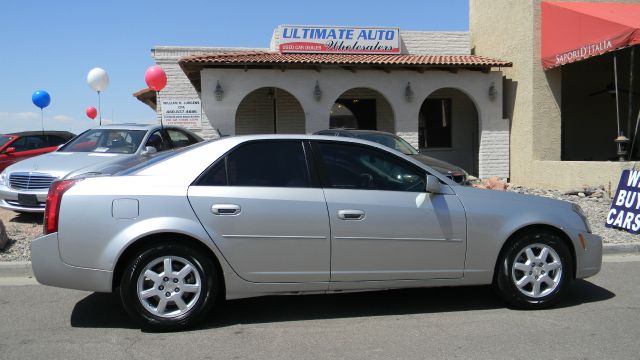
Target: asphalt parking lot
column 598, row 320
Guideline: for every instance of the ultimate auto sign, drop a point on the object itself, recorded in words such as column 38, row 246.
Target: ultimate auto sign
column 625, row 209
column 344, row 40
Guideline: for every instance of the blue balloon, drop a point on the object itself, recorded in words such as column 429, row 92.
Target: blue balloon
column 41, row 99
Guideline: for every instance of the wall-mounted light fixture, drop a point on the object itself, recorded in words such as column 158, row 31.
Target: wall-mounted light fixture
column 317, row 92
column 219, row 92
column 408, row 92
column 622, row 142
column 493, row 92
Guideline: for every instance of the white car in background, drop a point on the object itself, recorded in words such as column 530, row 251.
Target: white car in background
column 102, row 150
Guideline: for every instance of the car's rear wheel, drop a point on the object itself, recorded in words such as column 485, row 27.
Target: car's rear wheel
column 169, row 286
column 534, row 270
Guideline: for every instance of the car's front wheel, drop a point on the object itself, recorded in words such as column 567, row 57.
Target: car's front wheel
column 534, row 270
column 169, row 286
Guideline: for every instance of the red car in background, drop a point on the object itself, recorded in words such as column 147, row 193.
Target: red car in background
column 22, row 145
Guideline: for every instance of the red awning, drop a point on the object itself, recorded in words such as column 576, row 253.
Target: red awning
column 574, row 31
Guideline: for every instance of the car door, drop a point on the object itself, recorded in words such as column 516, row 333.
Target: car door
column 384, row 226
column 261, row 208
column 24, row 147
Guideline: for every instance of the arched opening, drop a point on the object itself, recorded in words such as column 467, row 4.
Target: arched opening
column 362, row 108
column 448, row 128
column 270, row 110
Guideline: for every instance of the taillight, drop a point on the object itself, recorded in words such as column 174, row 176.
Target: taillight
column 52, row 209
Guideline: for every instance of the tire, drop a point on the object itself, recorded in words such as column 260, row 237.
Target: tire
column 520, row 279
column 173, row 301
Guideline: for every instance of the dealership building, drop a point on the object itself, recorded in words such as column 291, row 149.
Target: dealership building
column 424, row 86
column 507, row 99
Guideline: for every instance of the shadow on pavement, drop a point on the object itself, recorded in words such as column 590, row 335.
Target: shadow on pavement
column 28, row 218
column 100, row 310
column 104, row 311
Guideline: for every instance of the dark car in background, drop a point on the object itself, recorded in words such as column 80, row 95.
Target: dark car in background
column 395, row 142
column 22, row 145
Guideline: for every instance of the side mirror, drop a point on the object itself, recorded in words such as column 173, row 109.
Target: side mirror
column 10, row 150
column 148, row 150
column 432, row 185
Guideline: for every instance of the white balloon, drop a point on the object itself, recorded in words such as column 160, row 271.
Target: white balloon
column 98, row 79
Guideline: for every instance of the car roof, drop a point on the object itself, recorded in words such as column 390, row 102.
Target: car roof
column 134, row 126
column 357, row 131
column 46, row 132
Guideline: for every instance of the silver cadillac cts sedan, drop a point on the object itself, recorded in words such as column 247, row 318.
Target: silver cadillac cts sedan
column 293, row 214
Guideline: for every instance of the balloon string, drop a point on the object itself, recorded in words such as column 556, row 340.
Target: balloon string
column 99, row 109
column 42, row 120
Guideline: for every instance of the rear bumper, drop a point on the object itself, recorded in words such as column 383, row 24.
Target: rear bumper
column 49, row 269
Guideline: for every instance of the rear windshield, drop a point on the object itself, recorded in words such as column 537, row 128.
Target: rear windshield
column 4, row 139
column 106, row 141
column 394, row 142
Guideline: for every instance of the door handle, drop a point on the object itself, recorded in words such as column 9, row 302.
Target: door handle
column 351, row 214
column 225, row 209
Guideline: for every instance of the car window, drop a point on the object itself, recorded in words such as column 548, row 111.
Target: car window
column 265, row 163
column 26, row 143
column 180, row 138
column 54, row 140
column 350, row 166
column 159, row 141
column 20, row 144
column 4, row 139
column 118, row 141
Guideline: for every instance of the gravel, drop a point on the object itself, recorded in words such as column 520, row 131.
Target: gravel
column 22, row 228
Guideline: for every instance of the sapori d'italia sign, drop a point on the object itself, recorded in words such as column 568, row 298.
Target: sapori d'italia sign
column 625, row 209
column 344, row 40
column 584, row 52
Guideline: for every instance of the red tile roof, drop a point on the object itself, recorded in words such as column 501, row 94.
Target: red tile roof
column 263, row 57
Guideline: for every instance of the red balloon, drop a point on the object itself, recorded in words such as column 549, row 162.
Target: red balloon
column 91, row 112
column 155, row 77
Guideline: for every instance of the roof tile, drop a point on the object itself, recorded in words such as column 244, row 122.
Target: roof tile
column 264, row 57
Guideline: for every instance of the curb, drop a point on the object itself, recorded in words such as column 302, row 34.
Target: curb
column 12, row 269
column 16, row 269
column 622, row 248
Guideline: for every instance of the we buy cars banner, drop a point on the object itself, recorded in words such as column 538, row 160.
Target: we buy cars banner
column 338, row 40
column 625, row 209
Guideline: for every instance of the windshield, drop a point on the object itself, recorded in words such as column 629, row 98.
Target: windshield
column 106, row 141
column 391, row 141
column 4, row 139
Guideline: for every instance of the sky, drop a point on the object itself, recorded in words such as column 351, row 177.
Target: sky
column 52, row 45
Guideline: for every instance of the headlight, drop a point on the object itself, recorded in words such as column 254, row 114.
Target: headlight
column 578, row 210
column 3, row 178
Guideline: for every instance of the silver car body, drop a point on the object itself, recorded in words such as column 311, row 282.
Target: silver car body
column 44, row 169
column 293, row 240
